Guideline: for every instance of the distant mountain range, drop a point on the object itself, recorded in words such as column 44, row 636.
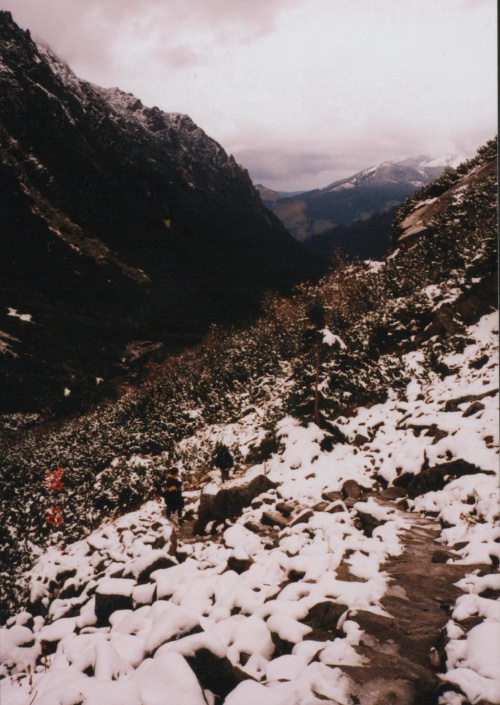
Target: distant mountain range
column 125, row 230
column 268, row 195
column 371, row 192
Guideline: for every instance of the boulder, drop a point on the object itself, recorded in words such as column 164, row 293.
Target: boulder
column 281, row 646
column 285, row 508
column 239, row 565
column 435, row 478
column 267, row 499
column 141, row 568
column 229, row 501
column 343, row 573
column 321, row 507
column 351, row 489
column 392, row 493
column 438, row 434
column 479, row 362
column 323, row 618
column 216, row 674
column 368, row 522
column 254, row 527
column 331, row 496
column 360, row 440
column 453, row 404
column 295, row 575
column 336, row 507
column 440, row 557
column 113, row 594
column 474, row 408
column 303, row 517
column 274, row 519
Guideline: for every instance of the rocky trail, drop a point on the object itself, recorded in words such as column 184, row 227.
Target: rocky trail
column 348, row 600
column 321, row 575
column 403, row 650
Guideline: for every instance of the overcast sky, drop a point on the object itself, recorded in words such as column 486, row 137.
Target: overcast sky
column 302, row 92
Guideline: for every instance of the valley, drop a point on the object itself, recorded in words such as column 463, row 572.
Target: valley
column 154, row 308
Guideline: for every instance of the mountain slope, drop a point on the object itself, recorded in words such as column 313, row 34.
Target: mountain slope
column 307, row 584
column 122, row 223
column 452, row 200
column 327, row 568
column 367, row 193
column 364, row 239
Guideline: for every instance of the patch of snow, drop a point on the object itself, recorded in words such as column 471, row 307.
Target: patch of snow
column 22, row 316
column 331, row 339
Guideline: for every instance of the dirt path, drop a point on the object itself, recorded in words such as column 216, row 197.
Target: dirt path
column 405, row 651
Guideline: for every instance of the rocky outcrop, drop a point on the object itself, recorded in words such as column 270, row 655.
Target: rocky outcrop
column 423, row 217
column 227, row 502
column 467, row 309
column 435, row 478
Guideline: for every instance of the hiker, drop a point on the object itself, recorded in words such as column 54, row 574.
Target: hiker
column 223, row 460
column 173, row 494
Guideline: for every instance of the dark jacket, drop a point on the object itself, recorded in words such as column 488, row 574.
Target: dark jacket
column 223, row 459
column 173, row 492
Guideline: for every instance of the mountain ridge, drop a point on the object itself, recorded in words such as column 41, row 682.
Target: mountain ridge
column 122, row 223
column 370, row 192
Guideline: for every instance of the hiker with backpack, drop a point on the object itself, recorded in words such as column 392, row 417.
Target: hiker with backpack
column 223, row 460
column 173, row 494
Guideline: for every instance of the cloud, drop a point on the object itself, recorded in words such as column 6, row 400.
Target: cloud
column 284, row 165
column 70, row 22
column 475, row 4
column 289, row 167
column 302, row 92
column 98, row 39
column 270, row 164
column 178, row 57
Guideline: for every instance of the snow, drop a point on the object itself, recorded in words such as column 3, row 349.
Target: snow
column 451, row 160
column 173, row 622
column 139, row 658
column 242, row 539
column 22, row 316
column 116, row 586
column 343, row 187
column 340, row 653
column 168, row 680
column 330, row 339
column 58, row 629
column 250, row 693
column 287, row 628
column 147, row 559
